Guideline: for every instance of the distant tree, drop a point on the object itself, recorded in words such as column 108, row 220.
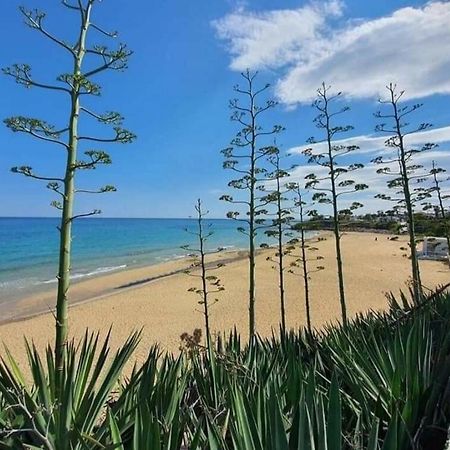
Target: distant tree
column 332, row 181
column 399, row 164
column 210, row 284
column 303, row 260
column 280, row 227
column 246, row 157
column 75, row 84
column 441, row 212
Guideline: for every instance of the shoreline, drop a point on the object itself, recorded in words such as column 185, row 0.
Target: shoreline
column 132, row 277
column 157, row 299
column 130, row 283
column 103, row 285
column 101, row 245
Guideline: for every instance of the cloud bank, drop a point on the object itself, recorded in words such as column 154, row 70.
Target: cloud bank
column 375, row 143
column 410, row 47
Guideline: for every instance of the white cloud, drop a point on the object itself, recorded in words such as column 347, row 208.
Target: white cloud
column 275, row 38
column 411, row 47
column 374, row 143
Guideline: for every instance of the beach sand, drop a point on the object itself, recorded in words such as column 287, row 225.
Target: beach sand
column 373, row 265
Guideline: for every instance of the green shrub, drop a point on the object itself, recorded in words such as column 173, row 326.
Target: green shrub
column 381, row 382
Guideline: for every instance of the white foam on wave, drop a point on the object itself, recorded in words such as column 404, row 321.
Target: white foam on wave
column 13, row 284
column 177, row 256
column 97, row 271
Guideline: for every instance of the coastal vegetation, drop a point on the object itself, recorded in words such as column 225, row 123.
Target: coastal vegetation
column 75, row 84
column 438, row 196
column 400, row 163
column 307, row 261
column 374, row 381
column 209, row 284
column 377, row 383
column 280, row 229
column 333, row 181
column 425, row 224
column 247, row 157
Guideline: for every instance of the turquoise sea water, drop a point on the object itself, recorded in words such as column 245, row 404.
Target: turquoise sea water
column 29, row 247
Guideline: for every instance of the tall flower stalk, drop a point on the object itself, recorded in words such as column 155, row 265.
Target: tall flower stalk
column 75, row 84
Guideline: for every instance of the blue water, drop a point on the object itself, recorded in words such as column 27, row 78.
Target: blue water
column 29, row 247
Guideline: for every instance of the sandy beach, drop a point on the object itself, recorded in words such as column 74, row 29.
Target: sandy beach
column 155, row 298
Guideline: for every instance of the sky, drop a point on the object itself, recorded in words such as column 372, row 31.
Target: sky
column 174, row 95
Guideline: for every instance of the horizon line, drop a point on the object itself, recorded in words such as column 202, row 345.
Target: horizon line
column 105, row 217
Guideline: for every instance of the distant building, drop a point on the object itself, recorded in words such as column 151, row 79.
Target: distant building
column 402, row 227
column 434, row 248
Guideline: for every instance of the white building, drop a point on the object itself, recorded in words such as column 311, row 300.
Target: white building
column 435, row 248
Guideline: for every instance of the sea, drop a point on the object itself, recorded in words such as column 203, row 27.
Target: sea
column 29, row 247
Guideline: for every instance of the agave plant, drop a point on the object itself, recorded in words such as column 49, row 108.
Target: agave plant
column 31, row 416
column 380, row 383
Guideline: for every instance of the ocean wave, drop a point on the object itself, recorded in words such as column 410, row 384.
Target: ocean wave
column 177, row 256
column 97, row 271
column 13, row 284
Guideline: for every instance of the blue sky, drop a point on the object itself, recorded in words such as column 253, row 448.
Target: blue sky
column 175, row 94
